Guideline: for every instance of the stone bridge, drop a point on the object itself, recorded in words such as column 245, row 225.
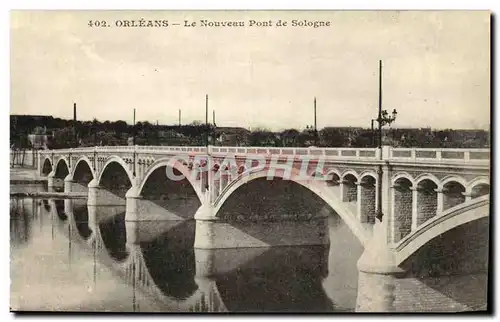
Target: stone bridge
column 261, row 197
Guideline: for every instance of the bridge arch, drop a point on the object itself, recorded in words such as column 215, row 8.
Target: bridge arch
column 86, row 160
column 46, row 166
column 333, row 171
column 404, row 175
column 349, row 172
column 349, row 192
column 174, row 164
column 367, row 173
column 333, row 178
column 453, row 189
column 427, row 176
column 62, row 168
column 315, row 187
column 478, row 187
column 121, row 162
column 450, row 219
column 453, row 178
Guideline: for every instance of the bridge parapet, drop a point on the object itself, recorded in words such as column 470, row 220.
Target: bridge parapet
column 480, row 156
column 440, row 155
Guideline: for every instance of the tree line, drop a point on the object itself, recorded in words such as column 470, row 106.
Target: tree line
column 61, row 133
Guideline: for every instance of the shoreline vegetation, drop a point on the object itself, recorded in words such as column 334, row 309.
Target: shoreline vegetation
column 31, row 131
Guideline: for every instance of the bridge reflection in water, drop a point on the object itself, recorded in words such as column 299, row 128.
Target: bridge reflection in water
column 86, row 250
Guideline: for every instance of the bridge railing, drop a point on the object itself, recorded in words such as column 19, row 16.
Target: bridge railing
column 420, row 154
column 480, row 156
column 351, row 153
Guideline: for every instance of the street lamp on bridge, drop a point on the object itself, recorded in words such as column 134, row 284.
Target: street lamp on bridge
column 383, row 119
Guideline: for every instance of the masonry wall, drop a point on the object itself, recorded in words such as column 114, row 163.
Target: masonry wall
column 368, row 204
column 351, row 192
column 426, row 205
column 452, row 199
column 402, row 213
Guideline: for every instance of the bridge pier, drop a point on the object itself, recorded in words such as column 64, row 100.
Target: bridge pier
column 378, row 273
column 99, row 196
column 217, row 233
column 68, row 183
column 51, row 180
column 94, row 192
column 132, row 203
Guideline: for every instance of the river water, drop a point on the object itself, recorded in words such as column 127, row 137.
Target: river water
column 61, row 261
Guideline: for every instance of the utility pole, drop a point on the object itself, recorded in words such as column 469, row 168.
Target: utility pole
column 133, row 130
column 206, row 120
column 157, row 133
column 75, row 132
column 315, row 125
column 315, row 120
column 133, row 143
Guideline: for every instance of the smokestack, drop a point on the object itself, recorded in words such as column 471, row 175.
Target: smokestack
column 315, row 123
column 74, row 112
column 179, row 117
column 213, row 117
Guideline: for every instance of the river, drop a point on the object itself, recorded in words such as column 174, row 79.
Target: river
column 60, row 261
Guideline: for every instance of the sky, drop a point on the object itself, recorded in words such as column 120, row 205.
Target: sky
column 436, row 67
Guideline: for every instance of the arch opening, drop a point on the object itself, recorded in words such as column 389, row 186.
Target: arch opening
column 82, row 176
column 480, row 190
column 333, row 182
column 453, row 194
column 455, row 264
column 115, row 181
column 332, row 179
column 276, row 212
column 276, row 199
column 350, row 189
column 258, row 284
column 61, row 170
column 403, row 209
column 177, row 199
column 47, row 168
column 368, row 199
column 426, row 201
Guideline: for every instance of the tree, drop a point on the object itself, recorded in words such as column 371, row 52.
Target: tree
column 262, row 137
column 39, row 130
column 331, row 137
column 289, row 137
column 120, row 127
column 62, row 139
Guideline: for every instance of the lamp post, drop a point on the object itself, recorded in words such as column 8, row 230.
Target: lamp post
column 382, row 120
column 373, row 131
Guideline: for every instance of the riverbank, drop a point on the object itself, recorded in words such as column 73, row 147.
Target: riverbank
column 20, row 175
